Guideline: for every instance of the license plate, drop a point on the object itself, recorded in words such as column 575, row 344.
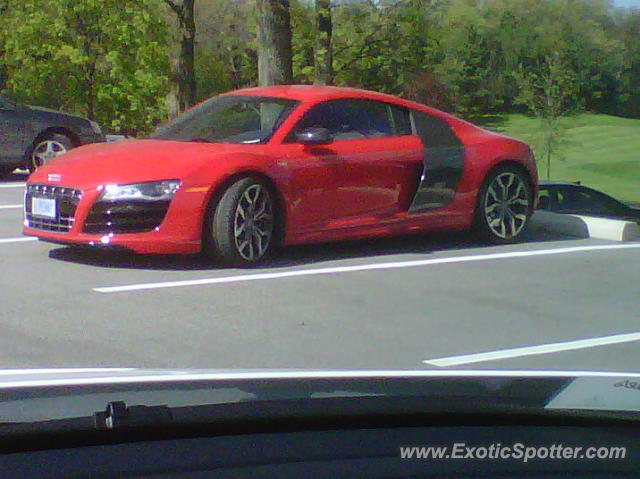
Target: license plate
column 43, row 207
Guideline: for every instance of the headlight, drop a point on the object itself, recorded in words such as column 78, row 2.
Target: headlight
column 95, row 127
column 150, row 191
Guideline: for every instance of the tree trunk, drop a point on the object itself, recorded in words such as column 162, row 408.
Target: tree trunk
column 274, row 43
column 172, row 101
column 3, row 73
column 182, row 93
column 323, row 52
column 91, row 91
column 549, row 146
column 187, row 54
column 4, row 6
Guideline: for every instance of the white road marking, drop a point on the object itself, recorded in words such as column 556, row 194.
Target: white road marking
column 16, row 240
column 10, row 207
column 172, row 375
column 12, row 185
column 357, row 268
column 20, row 372
column 533, row 350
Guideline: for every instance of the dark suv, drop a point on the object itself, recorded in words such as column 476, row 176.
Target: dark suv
column 31, row 136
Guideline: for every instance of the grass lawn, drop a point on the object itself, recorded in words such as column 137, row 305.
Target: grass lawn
column 601, row 151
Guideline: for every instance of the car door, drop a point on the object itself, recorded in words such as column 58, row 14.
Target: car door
column 11, row 131
column 366, row 173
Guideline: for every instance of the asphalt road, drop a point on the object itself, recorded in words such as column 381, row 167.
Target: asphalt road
column 382, row 304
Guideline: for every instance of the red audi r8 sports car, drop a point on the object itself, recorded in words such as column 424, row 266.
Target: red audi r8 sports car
column 251, row 169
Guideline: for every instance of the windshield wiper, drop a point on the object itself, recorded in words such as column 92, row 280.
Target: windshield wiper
column 118, row 414
column 200, row 140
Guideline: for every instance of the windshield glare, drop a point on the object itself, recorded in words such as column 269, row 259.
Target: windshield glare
column 229, row 119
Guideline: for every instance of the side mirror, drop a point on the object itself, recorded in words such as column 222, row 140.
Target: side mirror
column 314, row 136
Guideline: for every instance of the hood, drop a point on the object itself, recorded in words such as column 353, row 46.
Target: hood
column 50, row 110
column 11, row 378
column 44, row 394
column 130, row 161
column 38, row 112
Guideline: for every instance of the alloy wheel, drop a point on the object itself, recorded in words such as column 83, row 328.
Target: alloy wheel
column 506, row 205
column 253, row 223
column 46, row 151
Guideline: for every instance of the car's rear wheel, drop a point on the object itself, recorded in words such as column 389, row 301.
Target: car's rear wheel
column 47, row 148
column 241, row 226
column 504, row 207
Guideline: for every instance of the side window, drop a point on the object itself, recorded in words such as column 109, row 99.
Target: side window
column 608, row 205
column 572, row 199
column 349, row 119
column 566, row 200
column 434, row 131
column 544, row 200
column 401, row 120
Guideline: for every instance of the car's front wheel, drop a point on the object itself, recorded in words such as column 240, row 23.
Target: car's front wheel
column 504, row 206
column 241, row 226
column 47, row 148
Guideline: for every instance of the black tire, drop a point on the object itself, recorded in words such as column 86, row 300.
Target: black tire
column 238, row 231
column 504, row 206
column 46, row 148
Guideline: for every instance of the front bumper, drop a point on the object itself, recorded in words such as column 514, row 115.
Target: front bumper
column 178, row 233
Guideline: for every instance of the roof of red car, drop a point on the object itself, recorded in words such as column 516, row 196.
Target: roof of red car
column 313, row 92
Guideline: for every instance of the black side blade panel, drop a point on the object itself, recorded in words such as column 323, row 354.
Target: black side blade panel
column 443, row 163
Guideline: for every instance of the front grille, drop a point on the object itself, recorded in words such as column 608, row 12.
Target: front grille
column 125, row 216
column 67, row 200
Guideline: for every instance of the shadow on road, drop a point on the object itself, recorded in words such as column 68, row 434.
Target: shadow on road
column 292, row 255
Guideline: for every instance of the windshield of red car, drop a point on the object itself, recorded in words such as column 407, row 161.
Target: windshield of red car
column 229, row 119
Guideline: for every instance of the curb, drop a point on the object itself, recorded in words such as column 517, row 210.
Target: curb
column 585, row 226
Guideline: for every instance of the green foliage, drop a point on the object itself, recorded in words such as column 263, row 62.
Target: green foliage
column 226, row 57
column 549, row 91
column 628, row 91
column 109, row 59
column 303, row 35
column 383, row 45
column 470, row 56
column 103, row 58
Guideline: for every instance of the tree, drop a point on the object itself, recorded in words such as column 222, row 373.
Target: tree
column 303, row 39
column 226, row 56
column 323, row 52
column 274, row 42
column 549, row 93
column 183, row 92
column 361, row 45
column 628, row 103
column 105, row 59
column 383, row 45
column 4, row 7
column 469, row 65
